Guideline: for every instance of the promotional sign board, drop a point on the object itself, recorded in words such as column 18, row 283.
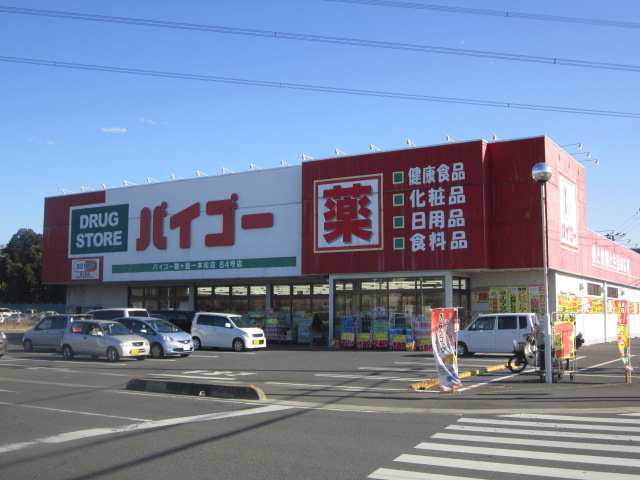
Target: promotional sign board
column 243, row 225
column 420, row 209
column 568, row 211
column 564, row 336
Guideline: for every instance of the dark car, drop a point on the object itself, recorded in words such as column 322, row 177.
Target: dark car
column 180, row 318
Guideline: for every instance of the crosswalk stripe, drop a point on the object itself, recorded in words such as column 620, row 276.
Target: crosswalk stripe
column 622, row 420
column 534, row 425
column 391, row 474
column 528, row 454
column 539, row 443
column 538, row 471
column 542, row 433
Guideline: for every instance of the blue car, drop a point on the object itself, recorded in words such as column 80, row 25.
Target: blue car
column 165, row 339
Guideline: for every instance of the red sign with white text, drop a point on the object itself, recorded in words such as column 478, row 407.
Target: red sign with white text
column 419, row 209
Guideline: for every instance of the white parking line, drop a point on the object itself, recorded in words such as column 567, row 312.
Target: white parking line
column 74, row 412
column 145, row 425
column 366, row 377
column 387, row 369
column 337, row 387
column 200, row 377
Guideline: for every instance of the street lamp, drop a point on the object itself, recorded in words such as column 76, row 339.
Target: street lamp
column 542, row 173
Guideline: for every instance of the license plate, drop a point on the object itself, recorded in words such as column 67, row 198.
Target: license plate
column 257, row 342
column 134, row 351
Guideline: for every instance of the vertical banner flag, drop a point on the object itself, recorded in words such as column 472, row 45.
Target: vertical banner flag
column 622, row 307
column 444, row 325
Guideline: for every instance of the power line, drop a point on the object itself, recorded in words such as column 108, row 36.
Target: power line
column 630, row 224
column 494, row 13
column 567, row 62
column 318, row 88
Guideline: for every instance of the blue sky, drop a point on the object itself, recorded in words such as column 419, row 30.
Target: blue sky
column 67, row 128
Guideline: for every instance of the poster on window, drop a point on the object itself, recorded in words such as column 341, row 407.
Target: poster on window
column 564, row 331
column 444, row 325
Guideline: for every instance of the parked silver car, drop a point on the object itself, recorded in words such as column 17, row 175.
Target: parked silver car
column 164, row 337
column 103, row 338
column 47, row 333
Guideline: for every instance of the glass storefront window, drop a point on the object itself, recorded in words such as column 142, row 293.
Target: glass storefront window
column 462, row 299
column 281, row 290
column 257, row 290
column 239, row 299
column 321, row 289
column 240, row 290
column 393, row 298
column 221, row 303
column 342, row 285
column 136, row 297
column 301, row 290
column 204, row 300
column 431, row 283
column 159, row 298
column 257, row 298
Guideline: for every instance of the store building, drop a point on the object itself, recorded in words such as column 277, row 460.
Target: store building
column 364, row 244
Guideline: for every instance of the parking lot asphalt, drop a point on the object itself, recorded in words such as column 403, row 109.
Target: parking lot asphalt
column 599, row 383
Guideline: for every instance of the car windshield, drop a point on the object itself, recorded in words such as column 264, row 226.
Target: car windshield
column 115, row 328
column 163, row 327
column 240, row 322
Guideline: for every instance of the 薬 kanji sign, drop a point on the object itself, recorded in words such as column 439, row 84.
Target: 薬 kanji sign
column 348, row 214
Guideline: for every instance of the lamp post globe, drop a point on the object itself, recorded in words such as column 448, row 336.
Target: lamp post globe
column 541, row 172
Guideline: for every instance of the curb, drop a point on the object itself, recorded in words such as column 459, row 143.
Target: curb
column 248, row 392
column 483, row 370
column 434, row 383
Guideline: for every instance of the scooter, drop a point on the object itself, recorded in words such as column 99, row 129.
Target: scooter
column 524, row 353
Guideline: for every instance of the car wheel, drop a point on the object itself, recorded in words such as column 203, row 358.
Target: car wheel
column 238, row 345
column 196, row 343
column 157, row 351
column 463, row 351
column 67, row 352
column 28, row 346
column 112, row 354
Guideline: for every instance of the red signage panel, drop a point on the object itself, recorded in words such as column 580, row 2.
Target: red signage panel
column 410, row 210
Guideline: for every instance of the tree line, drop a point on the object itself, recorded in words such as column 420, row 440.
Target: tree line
column 21, row 271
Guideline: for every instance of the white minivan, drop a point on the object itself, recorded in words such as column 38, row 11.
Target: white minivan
column 225, row 330
column 495, row 333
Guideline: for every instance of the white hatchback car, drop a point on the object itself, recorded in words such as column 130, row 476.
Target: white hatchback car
column 103, row 338
column 226, row 330
column 495, row 333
